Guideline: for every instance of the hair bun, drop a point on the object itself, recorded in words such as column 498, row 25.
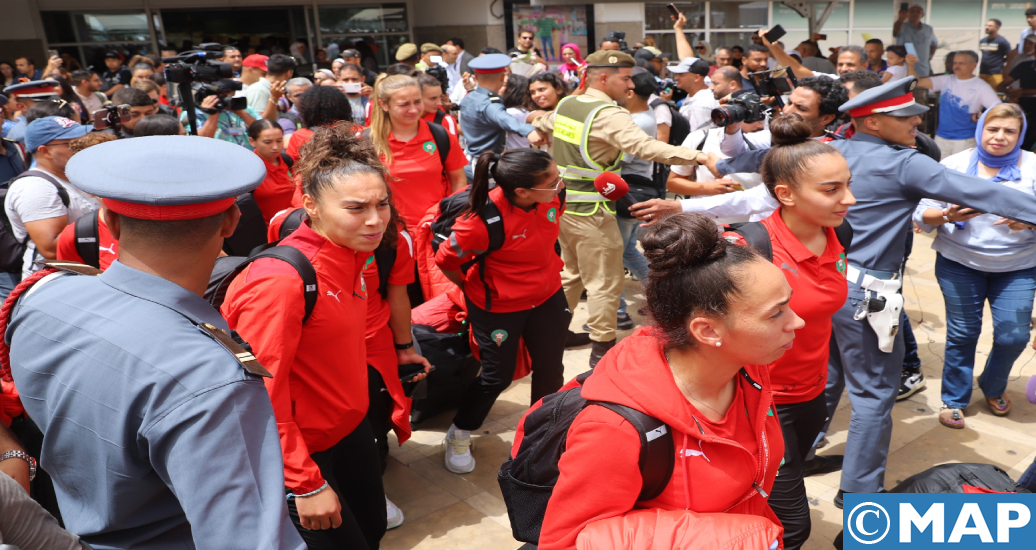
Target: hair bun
column 682, row 241
column 789, row 129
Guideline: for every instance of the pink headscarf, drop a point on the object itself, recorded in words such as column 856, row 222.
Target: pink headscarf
column 568, row 65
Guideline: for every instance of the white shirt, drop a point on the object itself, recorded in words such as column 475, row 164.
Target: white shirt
column 33, row 199
column 898, row 72
column 697, row 109
column 258, row 95
column 734, row 144
column 91, row 102
column 755, row 203
column 662, row 113
column 748, row 180
column 960, row 99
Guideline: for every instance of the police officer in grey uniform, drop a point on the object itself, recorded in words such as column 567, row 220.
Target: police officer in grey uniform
column 482, row 113
column 158, row 430
column 889, row 179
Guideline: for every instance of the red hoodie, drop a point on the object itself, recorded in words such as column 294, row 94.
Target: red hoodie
column 720, row 467
column 525, row 271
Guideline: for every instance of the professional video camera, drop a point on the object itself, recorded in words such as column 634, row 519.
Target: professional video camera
column 617, row 36
column 750, row 107
column 197, row 65
column 203, row 90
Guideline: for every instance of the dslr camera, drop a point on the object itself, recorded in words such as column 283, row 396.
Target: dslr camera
column 198, row 65
column 617, row 36
column 747, row 107
column 203, row 90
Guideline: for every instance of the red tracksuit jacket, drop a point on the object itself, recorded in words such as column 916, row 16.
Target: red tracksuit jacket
column 719, row 468
column 525, row 271
column 319, row 384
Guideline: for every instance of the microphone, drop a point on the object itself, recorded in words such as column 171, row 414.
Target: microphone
column 612, row 187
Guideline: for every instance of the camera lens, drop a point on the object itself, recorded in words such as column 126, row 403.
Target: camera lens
column 728, row 114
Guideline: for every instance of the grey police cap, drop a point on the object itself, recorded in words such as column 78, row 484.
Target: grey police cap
column 155, row 172
column 893, row 99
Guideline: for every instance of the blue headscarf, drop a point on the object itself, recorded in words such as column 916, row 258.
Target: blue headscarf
column 1008, row 164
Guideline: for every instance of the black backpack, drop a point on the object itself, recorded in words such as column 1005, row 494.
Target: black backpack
column 449, row 209
column 384, row 255
column 11, row 249
column 756, row 236
column 228, row 267
column 251, row 228
column 527, row 480
column 681, row 127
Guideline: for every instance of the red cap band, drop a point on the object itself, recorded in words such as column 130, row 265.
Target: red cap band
column 491, row 71
column 171, row 212
column 888, row 105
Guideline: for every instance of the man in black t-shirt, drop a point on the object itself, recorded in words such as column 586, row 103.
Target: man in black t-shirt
column 1024, row 72
column 994, row 51
column 116, row 77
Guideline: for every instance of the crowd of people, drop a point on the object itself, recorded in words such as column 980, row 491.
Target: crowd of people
column 202, row 324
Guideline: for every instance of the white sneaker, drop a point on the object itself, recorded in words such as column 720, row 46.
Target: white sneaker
column 394, row 514
column 458, row 451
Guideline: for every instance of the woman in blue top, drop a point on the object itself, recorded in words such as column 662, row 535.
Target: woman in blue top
column 984, row 257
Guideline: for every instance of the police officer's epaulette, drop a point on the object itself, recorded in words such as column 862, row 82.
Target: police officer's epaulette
column 494, row 98
column 73, row 267
column 243, row 356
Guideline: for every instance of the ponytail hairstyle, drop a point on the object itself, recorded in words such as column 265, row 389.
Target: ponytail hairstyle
column 514, row 169
column 694, row 272
column 791, row 152
column 381, row 126
column 335, row 153
column 256, row 128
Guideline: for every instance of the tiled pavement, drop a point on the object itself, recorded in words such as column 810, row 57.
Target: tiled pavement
column 449, row 511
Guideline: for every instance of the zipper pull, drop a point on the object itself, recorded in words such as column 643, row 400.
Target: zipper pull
column 759, row 488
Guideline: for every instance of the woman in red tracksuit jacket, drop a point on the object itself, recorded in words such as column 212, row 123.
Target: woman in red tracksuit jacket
column 319, row 387
column 524, row 285
column 721, row 314
column 811, row 181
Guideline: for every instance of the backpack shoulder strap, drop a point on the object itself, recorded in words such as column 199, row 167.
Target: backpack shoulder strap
column 442, row 143
column 655, row 103
column 286, row 158
column 285, row 253
column 756, row 236
column 844, row 233
column 385, row 259
column 440, row 115
column 494, row 221
column 657, row 451
column 88, row 239
column 62, row 193
column 292, row 221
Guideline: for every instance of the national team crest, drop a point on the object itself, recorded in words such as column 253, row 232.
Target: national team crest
column 840, row 264
column 428, row 147
column 552, row 215
column 498, row 336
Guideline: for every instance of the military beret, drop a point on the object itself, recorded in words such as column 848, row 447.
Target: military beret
column 406, row 51
column 610, row 58
column 893, row 98
column 166, row 178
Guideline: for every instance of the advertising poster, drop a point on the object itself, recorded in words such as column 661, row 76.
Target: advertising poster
column 553, row 27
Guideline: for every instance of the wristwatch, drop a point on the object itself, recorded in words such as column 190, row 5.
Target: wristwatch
column 24, row 456
column 402, row 347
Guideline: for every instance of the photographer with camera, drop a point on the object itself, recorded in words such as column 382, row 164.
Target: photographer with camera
column 140, row 105
column 263, row 95
column 220, row 114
